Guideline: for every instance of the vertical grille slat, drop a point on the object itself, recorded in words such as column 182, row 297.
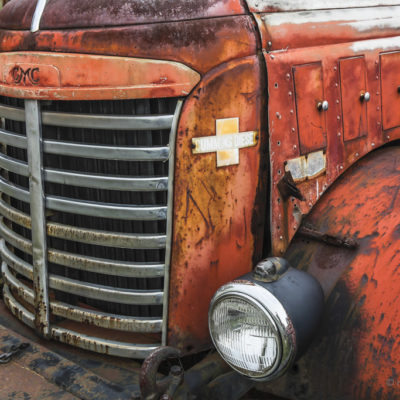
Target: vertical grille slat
column 98, row 157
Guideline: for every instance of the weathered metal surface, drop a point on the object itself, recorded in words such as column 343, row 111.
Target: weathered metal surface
column 356, row 353
column 199, row 44
column 94, row 13
column 219, row 212
column 50, row 372
column 285, row 119
column 54, row 76
column 18, row 14
column 296, row 5
column 289, row 30
column 75, row 13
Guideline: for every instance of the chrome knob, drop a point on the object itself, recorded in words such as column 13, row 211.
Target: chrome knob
column 323, row 105
column 365, row 96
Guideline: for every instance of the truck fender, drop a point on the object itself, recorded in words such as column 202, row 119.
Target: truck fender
column 356, row 353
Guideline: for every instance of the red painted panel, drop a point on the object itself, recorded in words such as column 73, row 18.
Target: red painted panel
column 353, row 85
column 390, row 72
column 309, row 92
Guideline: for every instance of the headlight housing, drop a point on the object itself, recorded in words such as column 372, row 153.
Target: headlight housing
column 258, row 327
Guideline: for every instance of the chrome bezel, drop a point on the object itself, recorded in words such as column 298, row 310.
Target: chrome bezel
column 264, row 300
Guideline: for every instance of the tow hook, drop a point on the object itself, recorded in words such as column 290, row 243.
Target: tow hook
column 153, row 388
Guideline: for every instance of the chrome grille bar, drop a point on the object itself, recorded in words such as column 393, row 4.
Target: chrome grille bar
column 106, row 152
column 142, row 213
column 103, row 182
column 109, row 122
column 12, row 139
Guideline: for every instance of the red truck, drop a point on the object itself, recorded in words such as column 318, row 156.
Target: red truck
column 210, row 186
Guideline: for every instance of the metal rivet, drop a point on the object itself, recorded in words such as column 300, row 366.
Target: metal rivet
column 335, row 68
column 280, row 237
column 293, row 130
column 294, row 147
column 288, row 77
column 372, row 144
column 337, row 101
column 269, row 44
column 339, row 134
column 341, row 167
column 357, row 154
column 290, row 94
column 291, row 111
column 338, row 117
column 387, row 137
column 365, row 96
column 323, row 106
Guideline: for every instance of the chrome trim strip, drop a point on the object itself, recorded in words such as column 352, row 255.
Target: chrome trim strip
column 13, row 165
column 38, row 216
column 14, row 239
column 20, row 266
column 37, row 16
column 24, row 291
column 105, row 320
column 103, row 238
column 105, row 293
column 170, row 214
column 14, row 191
column 106, row 152
column 12, row 139
column 17, row 309
column 104, row 181
column 106, row 210
column 103, row 266
column 14, row 113
column 109, row 347
column 109, row 122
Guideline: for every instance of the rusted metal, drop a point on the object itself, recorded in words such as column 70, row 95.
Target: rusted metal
column 297, row 29
column 152, row 388
column 219, row 216
column 312, row 233
column 198, row 44
column 355, row 354
column 288, row 142
column 287, row 187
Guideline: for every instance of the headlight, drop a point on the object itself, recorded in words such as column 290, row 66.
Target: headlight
column 257, row 326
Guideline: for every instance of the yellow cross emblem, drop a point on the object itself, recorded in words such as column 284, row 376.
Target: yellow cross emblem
column 226, row 143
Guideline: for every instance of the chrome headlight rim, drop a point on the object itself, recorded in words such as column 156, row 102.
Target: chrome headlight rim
column 271, row 307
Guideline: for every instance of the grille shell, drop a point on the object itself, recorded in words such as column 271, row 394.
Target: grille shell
column 107, row 219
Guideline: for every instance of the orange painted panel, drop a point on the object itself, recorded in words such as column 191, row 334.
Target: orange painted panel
column 60, row 76
column 390, row 76
column 218, row 212
column 311, row 121
column 353, row 85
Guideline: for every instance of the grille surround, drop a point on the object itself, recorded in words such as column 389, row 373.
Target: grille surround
column 29, row 290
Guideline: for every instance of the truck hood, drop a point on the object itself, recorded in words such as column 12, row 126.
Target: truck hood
column 69, row 14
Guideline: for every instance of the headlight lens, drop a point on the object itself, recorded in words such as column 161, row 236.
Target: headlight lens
column 246, row 335
column 251, row 330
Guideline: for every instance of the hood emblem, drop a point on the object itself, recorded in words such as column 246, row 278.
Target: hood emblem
column 28, row 76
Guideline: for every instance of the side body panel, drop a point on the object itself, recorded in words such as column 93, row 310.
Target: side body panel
column 294, row 119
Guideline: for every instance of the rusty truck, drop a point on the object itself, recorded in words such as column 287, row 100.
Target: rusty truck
column 200, row 198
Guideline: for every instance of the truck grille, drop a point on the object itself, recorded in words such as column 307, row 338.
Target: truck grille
column 100, row 174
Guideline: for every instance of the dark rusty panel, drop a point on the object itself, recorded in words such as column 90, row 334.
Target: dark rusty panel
column 17, row 14
column 295, row 30
column 390, row 81
column 353, row 87
column 62, row 372
column 219, row 212
column 200, row 44
column 356, row 353
column 93, row 13
column 309, row 92
column 18, row 382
